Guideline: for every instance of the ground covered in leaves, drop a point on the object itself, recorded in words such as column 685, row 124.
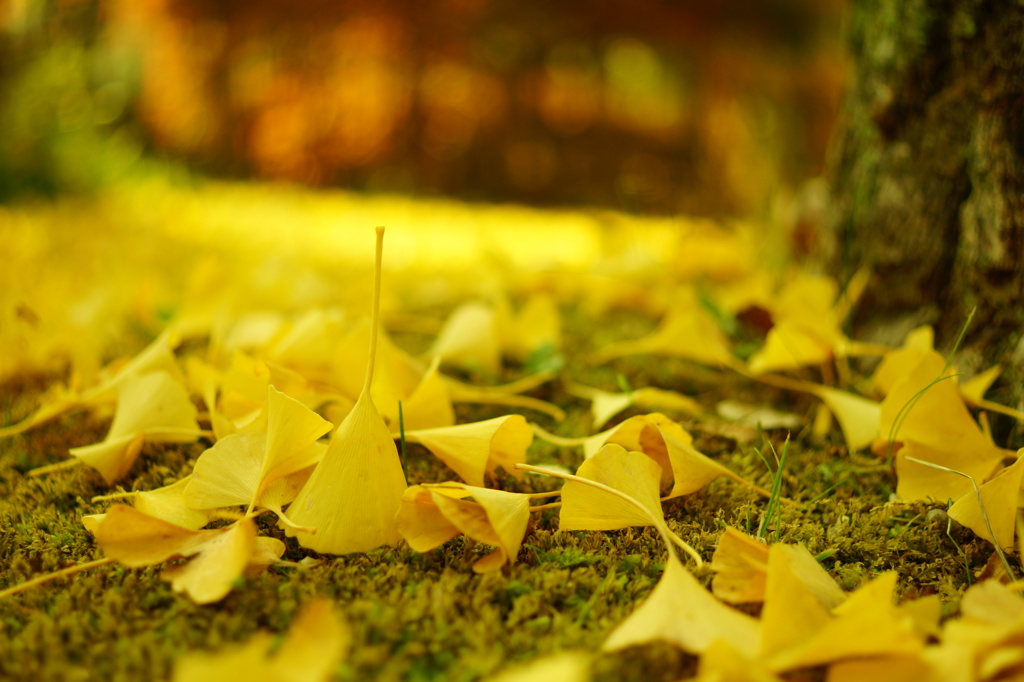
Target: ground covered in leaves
column 429, row 616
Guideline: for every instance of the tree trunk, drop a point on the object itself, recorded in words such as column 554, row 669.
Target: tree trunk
column 928, row 176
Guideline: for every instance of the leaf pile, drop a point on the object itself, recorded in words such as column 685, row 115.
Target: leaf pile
column 281, row 415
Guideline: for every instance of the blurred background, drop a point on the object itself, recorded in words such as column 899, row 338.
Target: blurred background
column 646, row 106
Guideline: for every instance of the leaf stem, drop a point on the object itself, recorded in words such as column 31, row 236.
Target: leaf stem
column 47, row 577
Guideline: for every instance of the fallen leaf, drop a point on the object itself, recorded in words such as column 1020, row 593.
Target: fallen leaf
column 681, row 612
column 570, row 666
column 740, row 563
column 799, row 595
column 470, row 339
column 687, row 331
column 477, row 448
column 153, row 408
column 998, row 503
column 633, row 473
column 315, row 644
column 136, row 540
column 866, row 624
column 605, row 405
column 431, row 515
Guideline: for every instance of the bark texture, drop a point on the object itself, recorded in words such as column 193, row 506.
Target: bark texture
column 927, row 174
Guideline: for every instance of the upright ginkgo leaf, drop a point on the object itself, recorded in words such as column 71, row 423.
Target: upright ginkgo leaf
column 150, row 408
column 473, row 449
column 396, row 374
column 354, row 493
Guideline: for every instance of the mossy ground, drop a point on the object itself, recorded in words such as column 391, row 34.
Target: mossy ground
column 428, row 616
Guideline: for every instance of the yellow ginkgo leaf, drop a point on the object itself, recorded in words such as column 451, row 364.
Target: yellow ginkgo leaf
column 538, row 324
column 291, row 429
column 228, row 473
column 231, row 474
column 916, row 481
column 789, row 346
column 470, row 339
column 799, row 595
column 740, row 563
column 605, row 405
column 806, row 316
column 924, row 411
column 151, row 408
column 688, row 331
column 866, row 624
column 973, row 390
column 209, row 577
column 135, row 539
column 859, row 417
column 396, row 373
column 494, row 517
column 899, row 362
column 242, row 395
column 473, row 449
column 681, row 612
column 315, row 644
column 993, row 516
column 884, row 669
column 629, row 433
column 588, row 508
column 690, row 469
column 420, row 521
column 429, row 406
column 158, row 356
column 507, row 395
column 431, row 515
column 355, row 491
column 720, row 662
column 169, row 504
column 307, row 343
column 568, row 666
